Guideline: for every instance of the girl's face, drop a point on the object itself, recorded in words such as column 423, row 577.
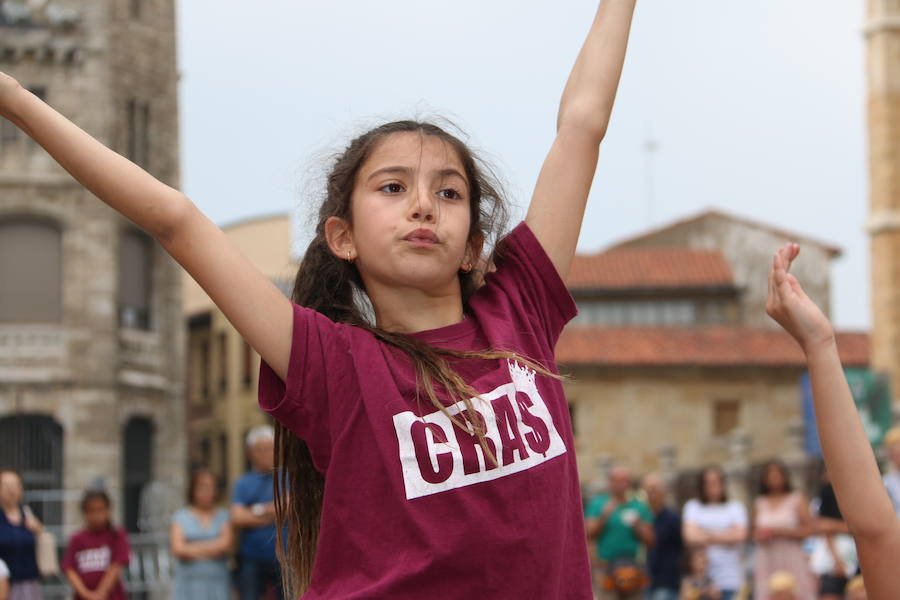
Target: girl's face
column 411, row 216
column 10, row 489
column 205, row 491
column 774, row 479
column 894, row 454
column 712, row 483
column 699, row 563
column 96, row 514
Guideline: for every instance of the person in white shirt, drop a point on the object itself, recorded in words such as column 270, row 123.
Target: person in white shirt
column 720, row 525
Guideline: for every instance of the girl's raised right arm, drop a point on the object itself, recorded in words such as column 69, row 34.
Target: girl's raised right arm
column 256, row 308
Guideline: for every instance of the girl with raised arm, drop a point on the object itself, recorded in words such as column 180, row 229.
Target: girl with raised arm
column 864, row 503
column 424, row 443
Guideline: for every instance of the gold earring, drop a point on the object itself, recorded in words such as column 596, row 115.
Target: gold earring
column 349, row 260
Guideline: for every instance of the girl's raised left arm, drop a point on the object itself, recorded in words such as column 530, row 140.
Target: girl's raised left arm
column 561, row 192
column 848, row 455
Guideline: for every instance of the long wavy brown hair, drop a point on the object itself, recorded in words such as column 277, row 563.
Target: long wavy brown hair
column 333, row 286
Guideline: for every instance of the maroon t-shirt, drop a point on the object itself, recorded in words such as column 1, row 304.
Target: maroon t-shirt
column 91, row 553
column 412, row 509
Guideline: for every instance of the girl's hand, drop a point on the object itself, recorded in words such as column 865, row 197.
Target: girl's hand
column 7, row 86
column 791, row 308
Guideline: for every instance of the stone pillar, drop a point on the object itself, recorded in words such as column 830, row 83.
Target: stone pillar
column 882, row 33
column 795, row 457
column 737, row 467
column 668, row 470
column 600, row 477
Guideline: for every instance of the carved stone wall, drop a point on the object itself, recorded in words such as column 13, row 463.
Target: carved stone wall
column 95, row 61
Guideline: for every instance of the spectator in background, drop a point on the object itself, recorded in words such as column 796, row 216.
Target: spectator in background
column 697, row 584
column 892, row 477
column 856, row 589
column 833, row 556
column 620, row 525
column 781, row 521
column 201, row 538
column 253, row 512
column 95, row 555
column 781, row 585
column 719, row 525
column 664, row 556
column 18, row 528
column 4, row 581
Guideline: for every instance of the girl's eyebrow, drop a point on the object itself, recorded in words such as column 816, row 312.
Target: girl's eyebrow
column 401, row 170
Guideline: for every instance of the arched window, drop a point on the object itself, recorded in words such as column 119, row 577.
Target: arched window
column 33, row 446
column 135, row 279
column 30, row 271
column 138, row 466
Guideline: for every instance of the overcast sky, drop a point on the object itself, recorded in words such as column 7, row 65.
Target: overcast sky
column 755, row 108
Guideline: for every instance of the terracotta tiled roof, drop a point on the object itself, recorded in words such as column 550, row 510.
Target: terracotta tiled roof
column 831, row 249
column 650, row 268
column 718, row 346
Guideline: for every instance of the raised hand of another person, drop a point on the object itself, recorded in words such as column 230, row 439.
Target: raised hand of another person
column 791, row 308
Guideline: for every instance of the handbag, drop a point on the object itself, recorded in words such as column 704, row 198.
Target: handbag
column 821, row 561
column 45, row 553
column 624, row 577
column 44, row 549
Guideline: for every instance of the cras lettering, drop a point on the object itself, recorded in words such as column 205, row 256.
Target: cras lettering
column 437, row 456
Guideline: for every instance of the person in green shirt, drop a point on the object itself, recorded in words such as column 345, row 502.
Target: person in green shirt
column 619, row 525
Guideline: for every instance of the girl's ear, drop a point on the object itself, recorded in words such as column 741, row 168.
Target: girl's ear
column 473, row 252
column 340, row 238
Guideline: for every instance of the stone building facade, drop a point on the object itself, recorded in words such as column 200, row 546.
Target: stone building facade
column 91, row 359
column 748, row 247
column 882, row 32
column 673, row 361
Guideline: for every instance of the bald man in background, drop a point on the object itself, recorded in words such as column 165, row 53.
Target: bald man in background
column 619, row 524
column 664, row 557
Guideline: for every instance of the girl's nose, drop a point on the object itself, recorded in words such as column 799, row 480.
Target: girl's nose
column 424, row 207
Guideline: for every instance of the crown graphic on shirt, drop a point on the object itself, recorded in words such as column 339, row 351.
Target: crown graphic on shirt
column 522, row 376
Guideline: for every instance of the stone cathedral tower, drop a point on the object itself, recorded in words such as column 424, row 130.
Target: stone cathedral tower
column 91, row 358
column 883, row 40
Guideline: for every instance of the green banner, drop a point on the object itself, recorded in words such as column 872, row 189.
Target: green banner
column 871, row 393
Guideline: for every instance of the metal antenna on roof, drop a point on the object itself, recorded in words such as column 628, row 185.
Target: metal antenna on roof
column 650, row 147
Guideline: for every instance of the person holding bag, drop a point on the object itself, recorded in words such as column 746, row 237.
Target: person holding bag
column 19, row 530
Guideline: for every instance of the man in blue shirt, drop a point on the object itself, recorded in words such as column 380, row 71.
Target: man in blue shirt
column 664, row 557
column 253, row 513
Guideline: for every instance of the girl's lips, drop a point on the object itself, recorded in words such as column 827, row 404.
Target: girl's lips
column 420, row 242
column 421, row 234
column 421, row 237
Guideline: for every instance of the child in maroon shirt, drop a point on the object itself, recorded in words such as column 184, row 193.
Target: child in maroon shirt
column 424, row 445
column 95, row 555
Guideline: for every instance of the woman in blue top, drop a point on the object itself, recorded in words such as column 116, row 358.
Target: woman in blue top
column 201, row 538
column 17, row 539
